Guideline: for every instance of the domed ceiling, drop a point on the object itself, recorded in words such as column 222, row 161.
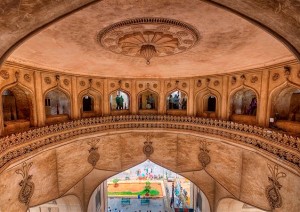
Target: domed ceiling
column 118, row 38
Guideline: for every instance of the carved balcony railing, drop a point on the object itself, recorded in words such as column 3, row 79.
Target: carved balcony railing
column 273, row 143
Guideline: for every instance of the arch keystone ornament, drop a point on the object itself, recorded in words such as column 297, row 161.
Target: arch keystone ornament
column 272, row 190
column 203, row 156
column 27, row 189
column 94, row 155
column 148, row 148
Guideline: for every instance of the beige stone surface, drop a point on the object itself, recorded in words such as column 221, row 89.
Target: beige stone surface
column 70, row 44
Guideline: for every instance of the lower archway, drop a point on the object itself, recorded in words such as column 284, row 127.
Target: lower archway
column 233, row 205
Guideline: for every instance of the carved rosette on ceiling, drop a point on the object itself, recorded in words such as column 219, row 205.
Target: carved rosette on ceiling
column 203, row 156
column 272, row 190
column 94, row 155
column 148, row 148
column 27, row 189
column 148, row 37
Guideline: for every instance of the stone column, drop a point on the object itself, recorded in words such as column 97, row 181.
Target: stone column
column 133, row 103
column 263, row 100
column 162, row 100
column 105, row 98
column 224, row 99
column 39, row 99
column 191, row 99
column 74, row 98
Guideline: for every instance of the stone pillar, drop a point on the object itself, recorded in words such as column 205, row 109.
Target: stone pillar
column 162, row 100
column 133, row 103
column 105, row 98
column 191, row 99
column 74, row 98
column 39, row 99
column 224, row 99
column 263, row 100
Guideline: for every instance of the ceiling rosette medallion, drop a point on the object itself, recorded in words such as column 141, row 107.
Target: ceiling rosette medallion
column 148, row 37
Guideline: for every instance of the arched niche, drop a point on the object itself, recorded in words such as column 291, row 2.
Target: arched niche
column 90, row 103
column 176, row 102
column 243, row 106
column 233, row 205
column 285, row 108
column 119, row 102
column 68, row 203
column 208, row 103
column 17, row 109
column 148, row 102
column 57, row 106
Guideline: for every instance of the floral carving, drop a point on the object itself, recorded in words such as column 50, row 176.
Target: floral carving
column 216, row 83
column 47, row 80
column 27, row 77
column 148, row 148
column 126, row 85
column 272, row 190
column 199, row 83
column 140, row 85
column 169, row 85
column 155, row 85
column 82, row 83
column 112, row 85
column 4, row 74
column 184, row 85
column 27, row 189
column 203, row 156
column 98, row 84
column 94, row 155
column 275, row 76
column 254, row 79
column 66, row 82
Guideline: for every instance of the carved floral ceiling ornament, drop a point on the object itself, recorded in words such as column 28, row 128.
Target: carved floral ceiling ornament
column 148, row 37
column 94, row 155
column 148, row 148
column 272, row 190
column 203, row 156
column 4, row 74
column 27, row 189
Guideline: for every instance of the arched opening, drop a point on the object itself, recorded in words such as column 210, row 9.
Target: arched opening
column 148, row 187
column 233, row 205
column 147, row 102
column 68, row 203
column 119, row 102
column 57, row 106
column 176, row 103
column 285, row 109
column 244, row 106
column 207, row 103
column 17, row 109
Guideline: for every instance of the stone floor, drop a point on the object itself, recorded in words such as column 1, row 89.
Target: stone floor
column 156, row 205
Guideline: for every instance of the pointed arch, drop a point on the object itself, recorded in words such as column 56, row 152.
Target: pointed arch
column 145, row 107
column 177, row 106
column 23, row 111
column 200, row 103
column 97, row 105
column 243, row 116
column 124, row 106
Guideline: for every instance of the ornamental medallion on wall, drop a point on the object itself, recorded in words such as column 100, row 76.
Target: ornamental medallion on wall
column 148, row 148
column 27, row 189
column 94, row 155
column 203, row 156
column 272, row 190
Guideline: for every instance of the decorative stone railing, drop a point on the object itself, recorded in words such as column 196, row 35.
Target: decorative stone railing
column 273, row 143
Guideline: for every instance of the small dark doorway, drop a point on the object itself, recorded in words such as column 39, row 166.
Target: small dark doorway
column 211, row 104
column 87, row 103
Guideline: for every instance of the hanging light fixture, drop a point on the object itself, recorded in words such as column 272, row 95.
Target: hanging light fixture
column 148, row 51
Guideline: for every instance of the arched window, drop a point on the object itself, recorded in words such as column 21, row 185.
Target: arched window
column 148, row 101
column 177, row 100
column 244, row 102
column 57, row 103
column 119, row 100
column 87, row 103
column 211, row 104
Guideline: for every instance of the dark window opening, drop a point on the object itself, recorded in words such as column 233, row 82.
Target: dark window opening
column 87, row 103
column 211, row 104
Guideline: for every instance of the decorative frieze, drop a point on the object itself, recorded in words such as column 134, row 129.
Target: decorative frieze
column 274, row 143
